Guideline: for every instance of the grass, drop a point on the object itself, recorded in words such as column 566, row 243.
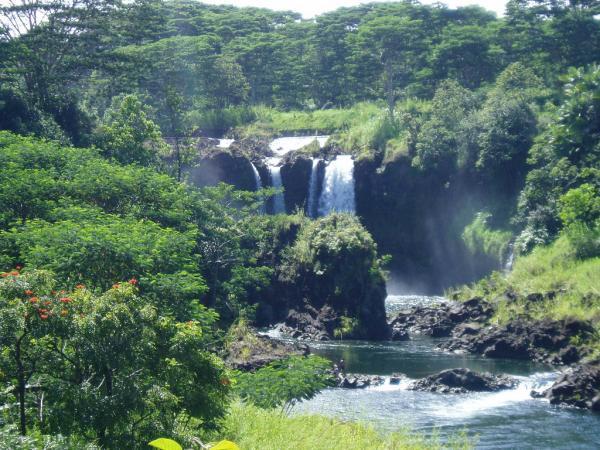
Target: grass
column 271, row 122
column 258, row 429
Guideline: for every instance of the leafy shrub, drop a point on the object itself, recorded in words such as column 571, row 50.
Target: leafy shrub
column 283, row 383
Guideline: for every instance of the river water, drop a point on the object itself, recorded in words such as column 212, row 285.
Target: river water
column 508, row 419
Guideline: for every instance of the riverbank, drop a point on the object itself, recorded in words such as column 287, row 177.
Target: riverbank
column 256, row 429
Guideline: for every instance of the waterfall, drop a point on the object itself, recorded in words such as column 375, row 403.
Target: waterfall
column 508, row 265
column 275, row 171
column 313, row 187
column 338, row 187
column 256, row 177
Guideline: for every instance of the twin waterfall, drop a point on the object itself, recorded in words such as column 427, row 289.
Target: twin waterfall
column 331, row 183
column 328, row 192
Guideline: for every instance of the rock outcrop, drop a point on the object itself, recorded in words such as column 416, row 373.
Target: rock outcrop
column 579, row 386
column 295, row 176
column 545, row 341
column 460, row 381
column 440, row 320
column 223, row 166
column 252, row 351
column 356, row 381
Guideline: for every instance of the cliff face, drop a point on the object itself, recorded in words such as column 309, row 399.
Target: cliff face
column 418, row 220
column 223, row 166
column 295, row 176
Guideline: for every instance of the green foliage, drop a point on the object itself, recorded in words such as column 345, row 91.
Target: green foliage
column 565, row 156
column 128, row 134
column 480, row 239
column 104, row 249
column 11, row 439
column 258, row 429
column 556, row 268
column 283, row 383
column 165, row 444
column 580, row 205
column 94, row 354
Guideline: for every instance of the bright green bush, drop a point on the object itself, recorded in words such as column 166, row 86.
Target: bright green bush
column 283, row 383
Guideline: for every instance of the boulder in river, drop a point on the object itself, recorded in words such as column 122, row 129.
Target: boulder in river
column 439, row 320
column 250, row 351
column 459, row 381
column 579, row 386
column 545, row 341
column 354, row 381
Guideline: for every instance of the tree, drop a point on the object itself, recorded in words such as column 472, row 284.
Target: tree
column 564, row 156
column 112, row 366
column 129, row 135
column 398, row 42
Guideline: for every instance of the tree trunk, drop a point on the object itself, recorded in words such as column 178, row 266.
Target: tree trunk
column 21, row 388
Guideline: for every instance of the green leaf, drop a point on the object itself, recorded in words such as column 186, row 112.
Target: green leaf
column 165, row 444
column 225, row 445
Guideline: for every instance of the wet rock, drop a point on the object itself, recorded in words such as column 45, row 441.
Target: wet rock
column 579, row 386
column 396, row 378
column 458, row 381
column 545, row 341
column 223, row 166
column 399, row 335
column 441, row 320
column 354, row 381
column 253, row 351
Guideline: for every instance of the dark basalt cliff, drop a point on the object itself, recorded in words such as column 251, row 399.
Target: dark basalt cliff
column 223, row 166
column 295, row 176
column 418, row 220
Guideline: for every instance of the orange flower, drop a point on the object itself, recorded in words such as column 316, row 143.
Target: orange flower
column 43, row 316
column 80, row 286
column 29, row 292
column 116, row 286
column 14, row 273
column 47, row 303
column 4, row 274
column 33, row 300
column 65, row 300
column 133, row 281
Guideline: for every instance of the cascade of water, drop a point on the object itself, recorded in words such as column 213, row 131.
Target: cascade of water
column 313, row 186
column 275, row 171
column 508, row 265
column 256, row 177
column 338, row 187
column 258, row 186
column 225, row 143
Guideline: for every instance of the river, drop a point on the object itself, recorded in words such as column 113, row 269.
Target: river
column 499, row 420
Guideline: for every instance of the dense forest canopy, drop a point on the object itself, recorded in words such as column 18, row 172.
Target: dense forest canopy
column 63, row 62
